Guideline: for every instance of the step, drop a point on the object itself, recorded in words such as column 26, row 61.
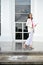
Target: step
column 21, row 53
column 21, row 59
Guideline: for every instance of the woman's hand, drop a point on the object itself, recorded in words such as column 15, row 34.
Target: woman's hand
column 35, row 25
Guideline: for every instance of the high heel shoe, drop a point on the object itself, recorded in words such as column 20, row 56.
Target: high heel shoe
column 30, row 48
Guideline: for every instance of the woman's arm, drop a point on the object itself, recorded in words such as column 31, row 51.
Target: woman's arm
column 34, row 25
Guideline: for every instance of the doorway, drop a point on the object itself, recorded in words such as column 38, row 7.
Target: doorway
column 22, row 9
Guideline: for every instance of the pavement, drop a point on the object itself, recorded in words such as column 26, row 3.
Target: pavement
column 17, row 47
column 21, row 59
column 37, row 47
column 21, row 56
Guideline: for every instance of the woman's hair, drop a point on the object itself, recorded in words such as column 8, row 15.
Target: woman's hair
column 29, row 15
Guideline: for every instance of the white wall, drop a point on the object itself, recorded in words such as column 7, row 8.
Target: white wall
column 37, row 10
column 6, row 20
column 7, row 24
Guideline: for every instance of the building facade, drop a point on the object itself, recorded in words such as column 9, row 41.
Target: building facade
column 13, row 31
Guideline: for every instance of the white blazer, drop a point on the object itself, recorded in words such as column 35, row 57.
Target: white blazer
column 29, row 25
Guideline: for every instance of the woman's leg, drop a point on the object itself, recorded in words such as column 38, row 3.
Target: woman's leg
column 29, row 40
column 26, row 43
column 25, row 46
column 31, row 37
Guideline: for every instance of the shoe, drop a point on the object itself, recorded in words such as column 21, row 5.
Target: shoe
column 30, row 48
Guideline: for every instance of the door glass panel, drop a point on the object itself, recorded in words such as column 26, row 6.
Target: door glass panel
column 21, row 17
column 22, row 9
column 25, row 27
column 22, row 2
column 18, row 27
column 25, row 35
column 18, row 36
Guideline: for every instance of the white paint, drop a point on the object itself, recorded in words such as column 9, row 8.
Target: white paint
column 37, row 11
column 7, row 17
column 7, row 24
column 5, row 21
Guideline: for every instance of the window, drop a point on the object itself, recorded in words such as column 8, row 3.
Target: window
column 22, row 9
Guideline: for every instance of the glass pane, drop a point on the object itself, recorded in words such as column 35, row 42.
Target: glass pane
column 22, row 8
column 21, row 17
column 18, row 35
column 25, row 35
column 25, row 28
column 18, row 27
column 23, row 2
column 18, row 46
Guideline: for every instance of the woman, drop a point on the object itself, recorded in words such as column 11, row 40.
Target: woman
column 30, row 25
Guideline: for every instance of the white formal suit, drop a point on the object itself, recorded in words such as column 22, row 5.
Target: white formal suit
column 30, row 30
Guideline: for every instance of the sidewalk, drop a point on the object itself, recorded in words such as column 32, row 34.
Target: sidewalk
column 34, row 56
column 38, row 48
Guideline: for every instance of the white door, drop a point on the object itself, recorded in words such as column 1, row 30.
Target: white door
column 22, row 9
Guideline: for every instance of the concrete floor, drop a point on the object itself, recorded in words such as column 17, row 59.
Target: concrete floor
column 34, row 56
column 11, row 47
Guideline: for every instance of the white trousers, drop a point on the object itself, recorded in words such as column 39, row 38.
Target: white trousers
column 29, row 39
